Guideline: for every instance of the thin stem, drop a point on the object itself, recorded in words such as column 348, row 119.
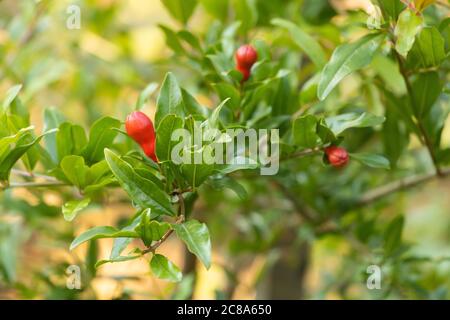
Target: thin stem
column 180, row 219
column 408, row 182
column 301, row 154
column 32, row 175
column 426, row 139
column 34, row 185
column 306, row 212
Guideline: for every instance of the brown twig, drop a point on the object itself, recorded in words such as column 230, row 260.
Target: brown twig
column 34, row 184
column 180, row 219
column 408, row 182
column 425, row 137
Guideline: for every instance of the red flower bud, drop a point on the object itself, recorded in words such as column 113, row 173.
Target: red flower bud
column 245, row 73
column 246, row 56
column 140, row 128
column 337, row 156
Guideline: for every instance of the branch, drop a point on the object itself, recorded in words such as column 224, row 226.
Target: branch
column 302, row 209
column 27, row 174
column 409, row 182
column 426, row 139
column 33, row 185
column 301, row 154
column 180, row 219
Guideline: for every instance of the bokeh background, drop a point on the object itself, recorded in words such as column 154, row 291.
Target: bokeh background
column 100, row 70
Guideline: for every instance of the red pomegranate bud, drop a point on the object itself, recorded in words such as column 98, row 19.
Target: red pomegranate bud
column 246, row 57
column 140, row 128
column 337, row 156
column 245, row 73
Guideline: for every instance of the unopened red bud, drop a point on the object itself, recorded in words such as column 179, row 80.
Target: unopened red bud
column 245, row 73
column 337, row 156
column 246, row 57
column 140, row 128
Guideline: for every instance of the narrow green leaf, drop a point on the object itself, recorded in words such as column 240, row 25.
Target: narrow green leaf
column 406, row 29
column 196, row 236
column 52, row 119
column 165, row 269
column 75, row 170
column 348, row 58
column 371, row 160
column 164, row 143
column 101, row 136
column 146, row 94
column 11, row 95
column 426, row 90
column 428, row 50
column 393, row 235
column 101, row 232
column 304, row 41
column 143, row 192
column 151, row 230
column 120, row 244
column 342, row 122
column 117, row 259
column 304, row 131
column 72, row 208
column 70, row 140
column 170, row 100
column 181, row 10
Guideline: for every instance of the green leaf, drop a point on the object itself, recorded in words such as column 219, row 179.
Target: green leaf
column 217, row 8
column 227, row 91
column 348, row 58
column 164, row 269
column 426, row 90
column 213, row 121
column 304, row 41
column 143, row 192
column 391, row 8
column 101, row 232
column 23, row 144
column 70, row 140
column 101, row 136
column 196, row 236
column 428, row 50
column 52, row 119
column 75, row 170
column 196, row 174
column 393, row 235
column 342, row 122
column 395, row 136
column 172, row 40
column 120, row 244
column 371, row 160
column 192, row 106
column 237, row 163
column 72, row 208
column 170, row 100
column 245, row 12
column 151, row 230
column 232, row 184
column 304, row 131
column 117, row 259
column 11, row 95
column 146, row 94
column 324, row 132
column 181, row 10
column 164, row 143
column 408, row 26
